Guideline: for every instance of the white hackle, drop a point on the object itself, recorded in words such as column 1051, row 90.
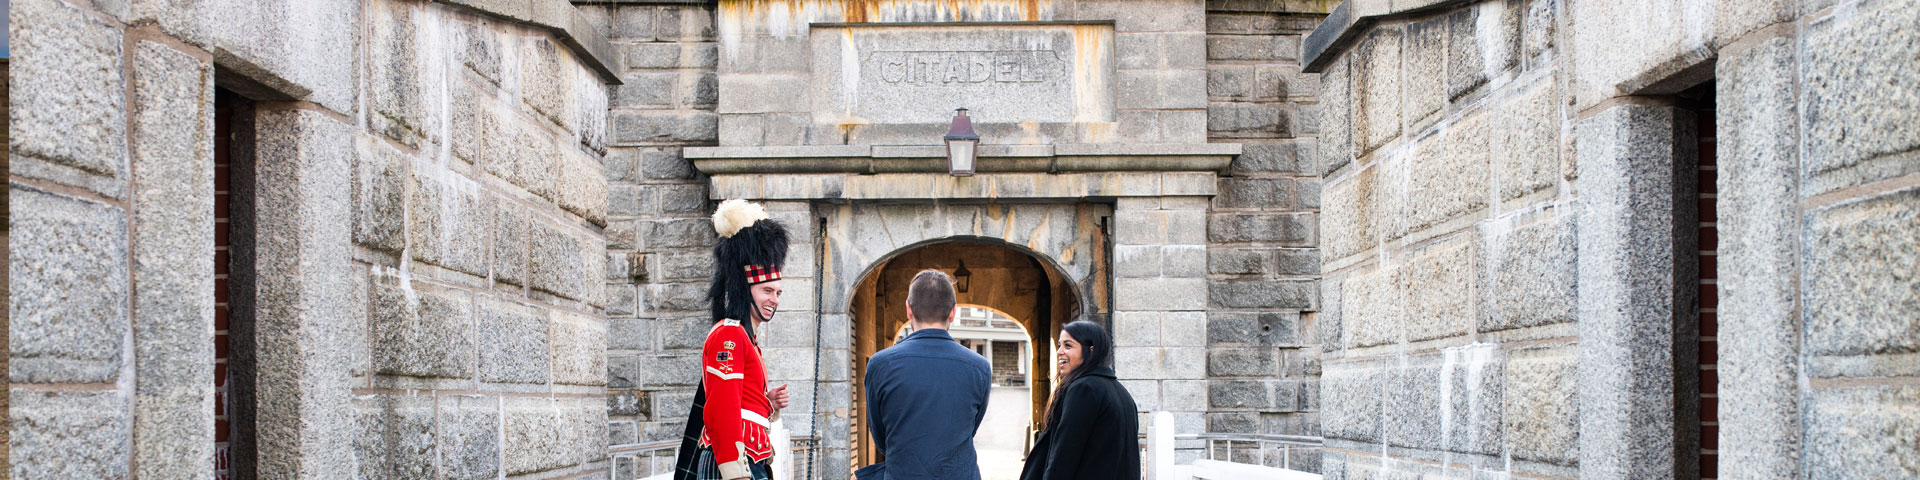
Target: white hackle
column 736, row 214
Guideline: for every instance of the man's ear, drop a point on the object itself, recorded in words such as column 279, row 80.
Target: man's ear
column 909, row 306
column 953, row 315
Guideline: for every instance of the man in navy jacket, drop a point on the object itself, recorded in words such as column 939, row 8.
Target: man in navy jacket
column 927, row 394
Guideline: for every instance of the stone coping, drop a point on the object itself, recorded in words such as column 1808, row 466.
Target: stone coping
column 844, row 187
column 1028, row 23
column 1272, row 6
column 1346, row 22
column 878, row 159
column 567, row 24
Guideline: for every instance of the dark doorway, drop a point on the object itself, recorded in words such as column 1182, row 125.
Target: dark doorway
column 1699, row 100
column 233, row 285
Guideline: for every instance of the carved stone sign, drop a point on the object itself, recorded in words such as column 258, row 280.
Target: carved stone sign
column 947, row 68
column 1047, row 73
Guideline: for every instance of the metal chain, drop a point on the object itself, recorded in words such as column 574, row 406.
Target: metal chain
column 819, row 289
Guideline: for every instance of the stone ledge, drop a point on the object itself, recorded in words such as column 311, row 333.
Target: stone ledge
column 940, row 151
column 876, row 159
column 1346, row 22
column 568, row 25
column 791, row 151
column 939, row 186
column 1272, row 6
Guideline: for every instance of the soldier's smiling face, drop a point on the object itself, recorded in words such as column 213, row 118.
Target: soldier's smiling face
column 766, row 300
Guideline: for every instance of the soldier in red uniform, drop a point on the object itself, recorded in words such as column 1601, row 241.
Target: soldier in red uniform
column 728, row 433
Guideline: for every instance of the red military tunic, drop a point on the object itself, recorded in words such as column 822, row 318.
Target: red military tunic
column 737, row 411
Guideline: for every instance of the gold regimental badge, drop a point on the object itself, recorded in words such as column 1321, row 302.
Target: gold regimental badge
column 728, row 344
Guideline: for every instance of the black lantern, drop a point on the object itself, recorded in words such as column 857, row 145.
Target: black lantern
column 962, row 277
column 962, row 147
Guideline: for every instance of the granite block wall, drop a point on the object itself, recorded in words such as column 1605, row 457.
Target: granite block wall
column 1820, row 213
column 659, row 250
column 1262, row 263
column 1510, row 254
column 1452, row 247
column 423, row 195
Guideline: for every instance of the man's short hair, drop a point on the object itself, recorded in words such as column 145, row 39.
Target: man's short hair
column 930, row 296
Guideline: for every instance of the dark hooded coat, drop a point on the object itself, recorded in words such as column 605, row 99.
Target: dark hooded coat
column 1097, row 436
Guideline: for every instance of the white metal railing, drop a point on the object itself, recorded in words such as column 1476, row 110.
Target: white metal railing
column 1158, row 445
column 799, row 459
column 1285, row 443
column 1161, row 439
column 647, row 448
column 643, row 460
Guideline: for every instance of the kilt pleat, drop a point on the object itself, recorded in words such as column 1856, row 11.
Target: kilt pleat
column 710, row 470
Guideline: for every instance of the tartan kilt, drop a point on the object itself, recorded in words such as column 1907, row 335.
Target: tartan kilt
column 710, row 470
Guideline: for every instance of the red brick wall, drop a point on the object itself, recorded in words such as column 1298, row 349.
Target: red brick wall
column 222, row 255
column 1709, row 300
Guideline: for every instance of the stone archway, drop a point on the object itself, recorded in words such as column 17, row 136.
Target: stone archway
column 1044, row 264
column 1002, row 278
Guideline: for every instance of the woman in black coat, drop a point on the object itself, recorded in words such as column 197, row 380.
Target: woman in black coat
column 1092, row 427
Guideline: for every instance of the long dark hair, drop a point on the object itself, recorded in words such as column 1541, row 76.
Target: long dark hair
column 1096, row 350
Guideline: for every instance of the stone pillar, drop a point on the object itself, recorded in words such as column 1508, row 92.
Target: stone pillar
column 1758, row 331
column 807, row 347
column 1160, row 308
column 302, row 260
column 1635, row 296
column 172, row 144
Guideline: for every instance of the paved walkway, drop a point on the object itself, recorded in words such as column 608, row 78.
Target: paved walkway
column 1001, row 441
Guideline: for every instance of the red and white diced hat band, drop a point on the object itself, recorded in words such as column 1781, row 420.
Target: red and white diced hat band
column 757, row 274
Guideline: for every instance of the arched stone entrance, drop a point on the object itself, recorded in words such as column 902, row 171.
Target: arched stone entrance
column 1002, row 277
column 868, row 251
column 847, row 227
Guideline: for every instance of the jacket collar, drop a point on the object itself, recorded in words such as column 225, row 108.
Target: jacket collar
column 1102, row 372
column 939, row 333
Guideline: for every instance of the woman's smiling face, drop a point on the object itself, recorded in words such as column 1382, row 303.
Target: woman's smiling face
column 1069, row 355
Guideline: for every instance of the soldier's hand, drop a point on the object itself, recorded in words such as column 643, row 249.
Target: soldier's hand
column 778, row 395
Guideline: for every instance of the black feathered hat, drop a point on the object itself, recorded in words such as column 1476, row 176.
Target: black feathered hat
column 752, row 249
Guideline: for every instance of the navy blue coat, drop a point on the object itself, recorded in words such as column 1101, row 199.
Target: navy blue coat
column 925, row 398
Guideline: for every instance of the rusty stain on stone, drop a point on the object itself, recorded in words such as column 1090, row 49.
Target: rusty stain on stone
column 799, row 13
column 863, row 11
column 1097, row 132
column 1090, row 92
column 1038, row 238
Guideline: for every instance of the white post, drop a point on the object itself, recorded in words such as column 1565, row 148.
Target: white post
column 1160, row 447
column 1026, row 355
column 782, row 450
